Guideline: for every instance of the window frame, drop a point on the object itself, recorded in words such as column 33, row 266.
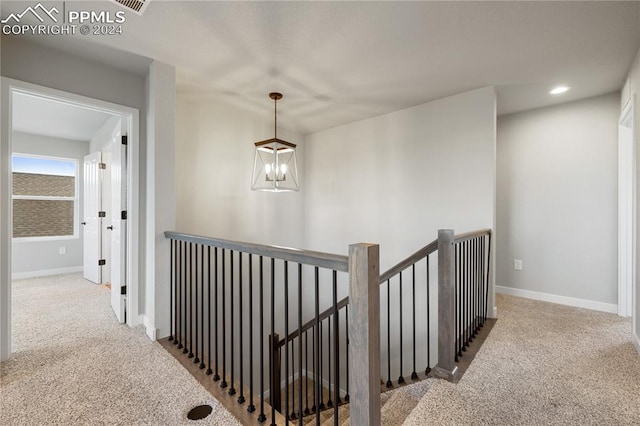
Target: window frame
column 75, row 199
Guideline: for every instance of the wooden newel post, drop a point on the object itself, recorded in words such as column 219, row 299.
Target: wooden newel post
column 274, row 359
column 446, row 367
column 364, row 334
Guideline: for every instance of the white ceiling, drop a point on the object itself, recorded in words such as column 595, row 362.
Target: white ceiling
column 47, row 117
column 338, row 62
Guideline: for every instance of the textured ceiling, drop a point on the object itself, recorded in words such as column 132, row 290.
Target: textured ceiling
column 338, row 62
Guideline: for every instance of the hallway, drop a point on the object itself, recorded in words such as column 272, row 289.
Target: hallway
column 74, row 364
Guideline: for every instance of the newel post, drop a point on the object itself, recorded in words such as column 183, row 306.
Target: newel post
column 274, row 360
column 446, row 367
column 364, row 334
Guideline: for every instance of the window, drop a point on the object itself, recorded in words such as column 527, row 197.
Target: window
column 45, row 197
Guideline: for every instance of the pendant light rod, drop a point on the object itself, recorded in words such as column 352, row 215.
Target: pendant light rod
column 276, row 97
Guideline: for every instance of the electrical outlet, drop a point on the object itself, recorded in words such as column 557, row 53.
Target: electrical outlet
column 517, row 264
column 62, row 250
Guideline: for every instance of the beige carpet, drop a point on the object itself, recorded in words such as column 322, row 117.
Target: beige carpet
column 74, row 365
column 543, row 364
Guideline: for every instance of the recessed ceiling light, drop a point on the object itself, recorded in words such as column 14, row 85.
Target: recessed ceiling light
column 558, row 90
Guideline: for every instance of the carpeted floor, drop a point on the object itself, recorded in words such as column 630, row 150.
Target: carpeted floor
column 74, row 365
column 543, row 364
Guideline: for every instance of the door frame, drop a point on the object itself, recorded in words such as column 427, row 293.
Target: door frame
column 131, row 116
column 626, row 211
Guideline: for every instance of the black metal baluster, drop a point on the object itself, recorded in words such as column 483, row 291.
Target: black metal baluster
column 262, row 417
column 482, row 306
column 414, row 374
column 191, row 339
column 316, row 351
column 292, row 415
column 321, row 367
column 251, row 407
column 216, row 376
column 209, row 307
column 465, row 305
column 486, row 294
column 172, row 284
column 389, row 382
column 232, row 389
column 300, row 378
column 329, row 401
column 316, row 401
column 241, row 399
column 273, row 385
column 286, row 343
column 224, row 383
column 196, row 360
column 336, row 349
column 457, row 291
column 476, row 287
column 428, row 369
column 180, row 296
column 401, row 378
column 346, row 321
column 201, row 366
column 306, row 364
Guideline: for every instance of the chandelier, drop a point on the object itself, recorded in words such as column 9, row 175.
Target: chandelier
column 274, row 163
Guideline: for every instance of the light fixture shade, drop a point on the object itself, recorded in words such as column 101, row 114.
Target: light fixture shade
column 274, row 166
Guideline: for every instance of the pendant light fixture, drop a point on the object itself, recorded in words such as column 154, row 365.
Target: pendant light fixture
column 274, row 164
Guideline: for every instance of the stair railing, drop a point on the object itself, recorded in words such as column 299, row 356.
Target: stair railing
column 228, row 300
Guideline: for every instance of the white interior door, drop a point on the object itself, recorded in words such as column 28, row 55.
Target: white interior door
column 91, row 222
column 119, row 224
column 106, row 228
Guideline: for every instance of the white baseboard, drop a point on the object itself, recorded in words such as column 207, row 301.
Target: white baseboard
column 45, row 272
column 561, row 300
column 636, row 342
column 495, row 312
column 150, row 330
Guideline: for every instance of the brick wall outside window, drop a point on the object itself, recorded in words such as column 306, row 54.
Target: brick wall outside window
column 43, row 218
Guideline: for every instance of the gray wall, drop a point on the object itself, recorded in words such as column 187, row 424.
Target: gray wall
column 557, row 200
column 395, row 180
column 44, row 255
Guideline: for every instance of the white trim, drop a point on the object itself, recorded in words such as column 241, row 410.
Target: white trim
column 10, row 86
column 562, row 300
column 149, row 328
column 626, row 208
column 46, row 272
column 495, row 311
column 636, row 342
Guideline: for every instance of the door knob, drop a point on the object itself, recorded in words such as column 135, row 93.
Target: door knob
column 110, row 228
column 83, row 223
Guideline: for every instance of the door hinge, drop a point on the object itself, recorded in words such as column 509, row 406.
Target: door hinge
column 102, row 214
column 125, row 140
column 102, row 165
column 123, row 216
column 123, row 290
column 102, row 262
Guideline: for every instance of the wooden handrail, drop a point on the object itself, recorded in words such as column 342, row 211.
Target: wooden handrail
column 418, row 255
column 470, row 235
column 314, row 258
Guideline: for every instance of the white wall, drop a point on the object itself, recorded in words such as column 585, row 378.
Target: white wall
column 557, row 201
column 631, row 90
column 161, row 200
column 398, row 178
column 214, row 160
column 44, row 255
column 395, row 180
